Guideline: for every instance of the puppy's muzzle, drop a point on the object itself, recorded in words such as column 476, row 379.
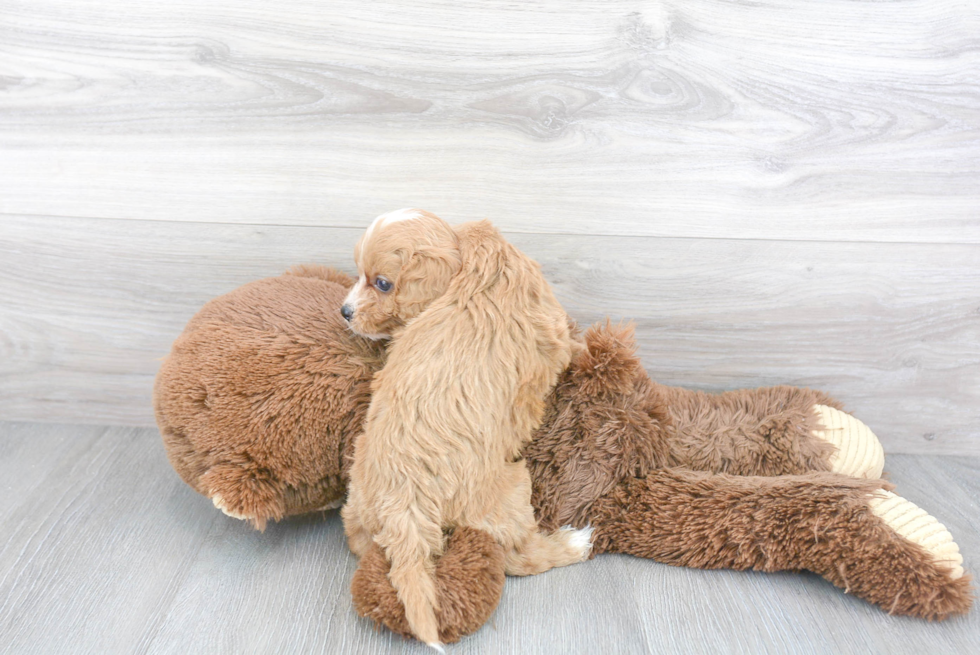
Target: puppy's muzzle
column 347, row 312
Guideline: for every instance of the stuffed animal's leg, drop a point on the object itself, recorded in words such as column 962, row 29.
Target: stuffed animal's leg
column 858, row 452
column 875, row 545
column 769, row 431
column 358, row 536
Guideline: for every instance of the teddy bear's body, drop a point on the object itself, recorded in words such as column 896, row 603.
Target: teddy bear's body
column 263, row 394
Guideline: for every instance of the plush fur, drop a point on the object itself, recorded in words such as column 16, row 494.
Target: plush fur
column 819, row 522
column 264, row 392
column 469, row 582
column 608, row 421
column 273, row 364
column 477, row 341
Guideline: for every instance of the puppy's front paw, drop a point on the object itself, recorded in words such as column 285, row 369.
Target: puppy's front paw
column 859, row 453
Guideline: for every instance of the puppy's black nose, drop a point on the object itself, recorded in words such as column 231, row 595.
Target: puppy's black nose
column 347, row 312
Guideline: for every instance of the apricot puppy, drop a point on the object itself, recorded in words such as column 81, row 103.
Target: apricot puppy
column 478, row 340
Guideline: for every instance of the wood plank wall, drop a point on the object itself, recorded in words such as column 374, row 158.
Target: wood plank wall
column 776, row 191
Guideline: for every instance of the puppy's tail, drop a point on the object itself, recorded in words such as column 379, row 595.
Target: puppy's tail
column 411, row 551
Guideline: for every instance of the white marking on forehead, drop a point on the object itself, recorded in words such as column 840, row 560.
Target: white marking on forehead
column 396, row 216
column 400, row 215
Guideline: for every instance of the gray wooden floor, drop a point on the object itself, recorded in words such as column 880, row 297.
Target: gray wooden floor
column 105, row 550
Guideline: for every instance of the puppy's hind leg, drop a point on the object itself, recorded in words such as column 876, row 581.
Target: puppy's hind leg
column 541, row 551
column 411, row 541
column 358, row 536
column 528, row 551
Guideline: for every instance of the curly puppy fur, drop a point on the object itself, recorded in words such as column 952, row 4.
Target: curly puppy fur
column 478, row 341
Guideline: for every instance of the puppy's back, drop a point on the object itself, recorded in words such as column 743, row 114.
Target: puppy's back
column 472, row 371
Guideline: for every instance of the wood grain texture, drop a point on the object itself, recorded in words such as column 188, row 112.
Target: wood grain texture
column 104, row 549
column 840, row 120
column 893, row 330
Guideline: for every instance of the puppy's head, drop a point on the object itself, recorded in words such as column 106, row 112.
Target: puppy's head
column 405, row 260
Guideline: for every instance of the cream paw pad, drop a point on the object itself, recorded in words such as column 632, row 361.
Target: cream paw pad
column 859, row 453
column 912, row 522
column 219, row 502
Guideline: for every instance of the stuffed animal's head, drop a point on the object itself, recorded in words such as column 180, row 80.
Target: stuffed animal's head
column 405, row 260
column 263, row 394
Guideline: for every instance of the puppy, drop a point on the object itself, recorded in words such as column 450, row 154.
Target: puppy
column 478, row 340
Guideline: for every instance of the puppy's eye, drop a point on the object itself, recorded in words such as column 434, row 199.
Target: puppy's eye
column 383, row 285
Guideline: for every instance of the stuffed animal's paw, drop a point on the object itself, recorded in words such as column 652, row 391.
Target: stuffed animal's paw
column 469, row 582
column 859, row 453
column 246, row 493
column 221, row 504
column 913, row 523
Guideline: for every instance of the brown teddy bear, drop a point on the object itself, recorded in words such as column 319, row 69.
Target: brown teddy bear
column 262, row 395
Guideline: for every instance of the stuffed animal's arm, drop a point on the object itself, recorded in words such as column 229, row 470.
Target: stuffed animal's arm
column 769, row 431
column 874, row 544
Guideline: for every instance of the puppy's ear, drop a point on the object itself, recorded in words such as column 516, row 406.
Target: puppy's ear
column 425, row 277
